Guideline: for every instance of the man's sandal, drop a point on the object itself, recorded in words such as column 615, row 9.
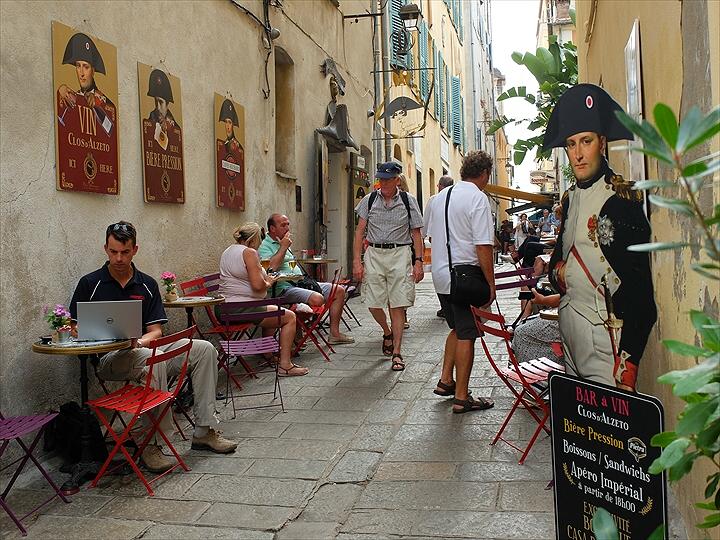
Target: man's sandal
column 397, row 363
column 445, row 389
column 387, row 349
column 472, row 404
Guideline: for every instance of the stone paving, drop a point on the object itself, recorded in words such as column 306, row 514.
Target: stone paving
column 361, row 452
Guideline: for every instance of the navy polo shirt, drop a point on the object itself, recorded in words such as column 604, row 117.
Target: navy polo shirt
column 100, row 286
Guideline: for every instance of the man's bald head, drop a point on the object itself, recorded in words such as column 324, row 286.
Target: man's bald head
column 445, row 181
column 278, row 225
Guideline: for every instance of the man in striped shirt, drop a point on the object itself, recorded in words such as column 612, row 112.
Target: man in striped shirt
column 391, row 220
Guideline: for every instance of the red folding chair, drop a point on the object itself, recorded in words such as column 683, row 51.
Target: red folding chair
column 143, row 400
column 232, row 313
column 514, row 279
column 522, row 378
column 12, row 429
column 310, row 325
column 351, row 290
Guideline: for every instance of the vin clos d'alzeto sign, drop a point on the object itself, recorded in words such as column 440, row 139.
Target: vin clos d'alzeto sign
column 601, row 455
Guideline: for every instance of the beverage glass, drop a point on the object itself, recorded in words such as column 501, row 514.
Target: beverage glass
column 265, row 263
column 292, row 264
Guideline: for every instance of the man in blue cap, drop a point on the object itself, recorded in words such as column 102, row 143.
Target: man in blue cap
column 391, row 221
column 607, row 307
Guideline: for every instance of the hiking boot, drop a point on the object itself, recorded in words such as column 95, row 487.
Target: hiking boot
column 154, row 460
column 215, row 442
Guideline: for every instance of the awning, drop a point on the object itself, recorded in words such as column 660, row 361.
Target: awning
column 521, row 208
column 509, row 193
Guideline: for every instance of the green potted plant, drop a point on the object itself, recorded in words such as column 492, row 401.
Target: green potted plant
column 59, row 320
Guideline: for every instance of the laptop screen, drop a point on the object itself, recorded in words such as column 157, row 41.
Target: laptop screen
column 121, row 319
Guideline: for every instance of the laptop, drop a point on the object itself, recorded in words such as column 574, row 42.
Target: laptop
column 121, row 319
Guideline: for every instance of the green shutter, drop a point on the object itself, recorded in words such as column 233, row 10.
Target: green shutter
column 441, row 88
column 461, row 30
column 448, row 101
column 396, row 32
column 423, row 55
column 456, row 110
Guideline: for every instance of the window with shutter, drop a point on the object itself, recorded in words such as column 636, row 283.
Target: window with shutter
column 456, row 111
column 461, row 30
column 423, row 56
column 441, row 87
column 397, row 35
column 448, row 101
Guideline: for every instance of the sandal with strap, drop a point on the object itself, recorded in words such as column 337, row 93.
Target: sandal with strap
column 471, row 404
column 387, row 349
column 399, row 364
column 294, row 371
column 445, row 389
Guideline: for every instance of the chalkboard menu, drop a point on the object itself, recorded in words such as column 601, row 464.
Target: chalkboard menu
column 601, row 455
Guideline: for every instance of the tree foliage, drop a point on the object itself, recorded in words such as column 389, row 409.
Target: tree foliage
column 555, row 70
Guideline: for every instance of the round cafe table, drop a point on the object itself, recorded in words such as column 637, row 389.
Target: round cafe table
column 191, row 302
column 550, row 314
column 320, row 265
column 86, row 468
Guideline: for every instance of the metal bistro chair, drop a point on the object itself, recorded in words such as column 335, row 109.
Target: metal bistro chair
column 310, row 326
column 521, row 378
column 12, row 429
column 142, row 401
column 232, row 313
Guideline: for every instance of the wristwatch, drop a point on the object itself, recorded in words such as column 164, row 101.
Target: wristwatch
column 418, row 259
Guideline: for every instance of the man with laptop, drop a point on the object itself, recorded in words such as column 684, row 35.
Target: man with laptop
column 119, row 280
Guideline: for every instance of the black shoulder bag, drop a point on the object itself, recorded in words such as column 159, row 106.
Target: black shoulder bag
column 468, row 285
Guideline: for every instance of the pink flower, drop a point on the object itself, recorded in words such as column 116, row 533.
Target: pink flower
column 167, row 276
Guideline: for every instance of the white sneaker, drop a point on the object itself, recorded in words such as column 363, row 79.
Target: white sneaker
column 303, row 308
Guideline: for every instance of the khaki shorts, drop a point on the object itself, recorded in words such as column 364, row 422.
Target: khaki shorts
column 388, row 279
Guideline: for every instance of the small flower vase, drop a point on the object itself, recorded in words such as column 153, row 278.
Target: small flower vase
column 62, row 336
column 171, row 295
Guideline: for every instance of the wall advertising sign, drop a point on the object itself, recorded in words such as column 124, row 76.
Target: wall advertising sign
column 86, row 117
column 601, row 455
column 162, row 139
column 229, row 119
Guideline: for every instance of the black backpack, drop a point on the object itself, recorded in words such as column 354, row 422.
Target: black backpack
column 63, row 434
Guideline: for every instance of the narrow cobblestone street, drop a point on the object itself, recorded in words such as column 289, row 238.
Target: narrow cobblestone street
column 361, row 452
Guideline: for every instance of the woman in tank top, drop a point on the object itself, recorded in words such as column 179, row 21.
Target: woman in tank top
column 243, row 279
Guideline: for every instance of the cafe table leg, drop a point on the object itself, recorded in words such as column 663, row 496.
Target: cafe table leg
column 86, row 469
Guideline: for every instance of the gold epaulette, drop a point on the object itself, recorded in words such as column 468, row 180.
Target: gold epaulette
column 624, row 189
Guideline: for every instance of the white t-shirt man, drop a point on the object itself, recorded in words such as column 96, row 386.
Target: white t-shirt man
column 470, row 223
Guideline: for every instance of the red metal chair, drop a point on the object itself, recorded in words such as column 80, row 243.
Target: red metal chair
column 514, row 279
column 143, row 400
column 521, row 378
column 310, row 325
column 232, row 313
column 12, row 429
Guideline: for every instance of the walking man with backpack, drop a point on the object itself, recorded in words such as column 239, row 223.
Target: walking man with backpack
column 393, row 264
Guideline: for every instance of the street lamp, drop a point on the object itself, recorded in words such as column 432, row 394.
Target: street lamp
column 410, row 16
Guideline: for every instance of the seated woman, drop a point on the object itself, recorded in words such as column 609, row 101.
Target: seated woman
column 533, row 338
column 243, row 279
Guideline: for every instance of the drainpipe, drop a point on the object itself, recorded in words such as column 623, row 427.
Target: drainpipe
column 386, row 76
column 377, row 149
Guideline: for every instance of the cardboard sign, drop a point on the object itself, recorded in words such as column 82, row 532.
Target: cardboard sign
column 162, row 139
column 85, row 81
column 601, row 455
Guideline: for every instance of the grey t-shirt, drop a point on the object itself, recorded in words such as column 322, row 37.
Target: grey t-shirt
column 388, row 223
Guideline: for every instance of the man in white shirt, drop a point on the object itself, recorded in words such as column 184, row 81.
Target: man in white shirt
column 445, row 181
column 471, row 243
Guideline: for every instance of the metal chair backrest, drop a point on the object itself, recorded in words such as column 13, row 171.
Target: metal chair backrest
column 163, row 356
column 194, row 287
column 229, row 316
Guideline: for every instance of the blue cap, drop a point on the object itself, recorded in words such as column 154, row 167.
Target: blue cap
column 391, row 169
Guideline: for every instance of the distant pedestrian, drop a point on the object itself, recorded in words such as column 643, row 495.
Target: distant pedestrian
column 444, row 182
column 464, row 211
column 389, row 271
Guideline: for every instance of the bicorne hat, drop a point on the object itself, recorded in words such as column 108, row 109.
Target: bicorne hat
column 81, row 48
column 584, row 107
column 159, row 85
column 228, row 111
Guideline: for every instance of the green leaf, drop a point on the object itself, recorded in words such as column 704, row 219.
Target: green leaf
column 666, row 123
column 604, row 525
column 654, row 145
column 682, row 467
column 704, row 130
column 705, row 506
column 658, row 533
column 670, row 455
column 700, row 169
column 683, row 349
column 519, row 156
column 687, row 129
column 657, row 246
column 713, row 520
column 698, row 268
column 663, row 439
column 676, row 205
column 708, row 328
column 688, row 381
column 650, row 184
column 517, row 57
column 694, row 416
column 712, row 480
column 710, row 438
